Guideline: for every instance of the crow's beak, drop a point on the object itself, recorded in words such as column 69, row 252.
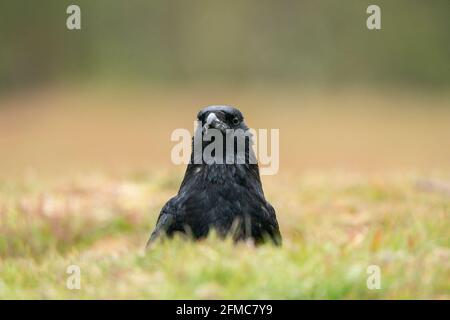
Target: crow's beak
column 213, row 122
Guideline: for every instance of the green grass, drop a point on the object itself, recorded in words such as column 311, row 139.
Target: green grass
column 334, row 226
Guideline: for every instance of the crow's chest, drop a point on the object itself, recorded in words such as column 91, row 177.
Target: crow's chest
column 218, row 202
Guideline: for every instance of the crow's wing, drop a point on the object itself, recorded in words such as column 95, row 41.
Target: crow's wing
column 165, row 220
column 272, row 225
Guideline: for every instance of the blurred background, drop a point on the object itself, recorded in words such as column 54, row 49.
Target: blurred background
column 86, row 118
column 107, row 97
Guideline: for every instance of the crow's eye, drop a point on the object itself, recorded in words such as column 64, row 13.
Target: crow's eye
column 235, row 121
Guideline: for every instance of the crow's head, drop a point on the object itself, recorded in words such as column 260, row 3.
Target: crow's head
column 222, row 118
column 224, row 129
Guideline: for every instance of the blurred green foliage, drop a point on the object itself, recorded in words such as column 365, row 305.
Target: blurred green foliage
column 312, row 42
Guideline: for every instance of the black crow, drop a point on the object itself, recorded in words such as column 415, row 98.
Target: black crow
column 221, row 195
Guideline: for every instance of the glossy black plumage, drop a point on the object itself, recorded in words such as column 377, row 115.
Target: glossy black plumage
column 226, row 197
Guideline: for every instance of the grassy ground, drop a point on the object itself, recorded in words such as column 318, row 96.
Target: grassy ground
column 390, row 207
column 334, row 227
